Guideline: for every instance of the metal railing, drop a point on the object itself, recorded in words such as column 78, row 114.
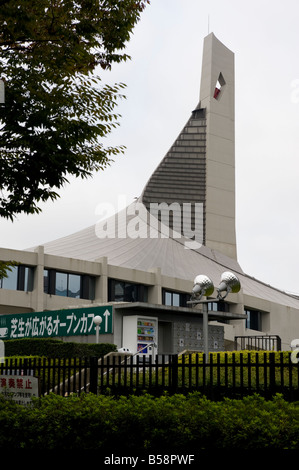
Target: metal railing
column 259, row 342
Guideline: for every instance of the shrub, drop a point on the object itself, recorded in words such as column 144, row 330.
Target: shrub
column 135, row 424
column 50, row 347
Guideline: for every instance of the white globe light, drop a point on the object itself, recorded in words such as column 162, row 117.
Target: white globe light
column 97, row 320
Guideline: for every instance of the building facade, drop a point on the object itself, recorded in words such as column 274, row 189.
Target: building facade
column 139, row 265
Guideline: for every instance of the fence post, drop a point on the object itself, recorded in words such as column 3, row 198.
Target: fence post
column 174, row 372
column 272, row 384
column 25, row 366
column 93, row 386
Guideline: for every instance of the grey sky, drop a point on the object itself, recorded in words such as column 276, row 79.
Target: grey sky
column 163, row 81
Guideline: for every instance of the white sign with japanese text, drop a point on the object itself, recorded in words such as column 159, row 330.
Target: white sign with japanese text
column 19, row 388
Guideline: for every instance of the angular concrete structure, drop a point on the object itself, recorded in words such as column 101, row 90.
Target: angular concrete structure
column 200, row 165
column 217, row 96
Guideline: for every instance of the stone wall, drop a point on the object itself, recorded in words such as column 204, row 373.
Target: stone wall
column 189, row 335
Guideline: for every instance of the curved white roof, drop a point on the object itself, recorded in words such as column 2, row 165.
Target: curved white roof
column 145, row 253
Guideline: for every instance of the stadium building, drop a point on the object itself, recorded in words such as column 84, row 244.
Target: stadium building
column 136, row 269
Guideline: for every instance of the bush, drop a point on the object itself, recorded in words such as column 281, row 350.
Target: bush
column 146, row 424
column 50, row 347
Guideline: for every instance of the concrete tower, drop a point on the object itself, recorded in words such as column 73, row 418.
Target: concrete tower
column 200, row 165
column 217, row 96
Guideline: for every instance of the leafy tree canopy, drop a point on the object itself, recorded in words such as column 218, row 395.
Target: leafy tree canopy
column 57, row 112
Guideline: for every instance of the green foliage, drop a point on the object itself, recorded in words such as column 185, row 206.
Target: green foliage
column 50, row 347
column 5, row 267
column 244, row 369
column 57, row 112
column 135, row 424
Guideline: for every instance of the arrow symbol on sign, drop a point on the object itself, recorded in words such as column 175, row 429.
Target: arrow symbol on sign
column 106, row 315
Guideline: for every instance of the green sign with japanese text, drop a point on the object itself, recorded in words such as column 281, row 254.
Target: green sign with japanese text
column 70, row 322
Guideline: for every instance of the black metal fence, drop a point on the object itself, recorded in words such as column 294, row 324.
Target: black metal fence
column 232, row 375
column 225, row 374
column 59, row 376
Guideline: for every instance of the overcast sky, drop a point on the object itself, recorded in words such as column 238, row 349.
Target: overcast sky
column 163, row 80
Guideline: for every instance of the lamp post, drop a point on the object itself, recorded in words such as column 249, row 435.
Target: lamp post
column 205, row 327
column 2, row 92
column 97, row 320
column 203, row 286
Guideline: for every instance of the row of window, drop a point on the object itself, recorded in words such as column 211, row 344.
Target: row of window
column 174, row 299
column 77, row 286
column 56, row 283
column 82, row 286
column 122, row 291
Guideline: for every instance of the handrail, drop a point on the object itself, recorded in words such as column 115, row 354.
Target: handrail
column 260, row 341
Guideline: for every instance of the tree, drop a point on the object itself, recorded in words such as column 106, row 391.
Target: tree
column 57, row 112
column 5, row 267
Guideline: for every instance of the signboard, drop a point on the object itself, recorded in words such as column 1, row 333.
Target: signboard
column 19, row 388
column 56, row 323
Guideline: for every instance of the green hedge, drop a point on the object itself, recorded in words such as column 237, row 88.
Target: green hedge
column 130, row 425
column 50, row 347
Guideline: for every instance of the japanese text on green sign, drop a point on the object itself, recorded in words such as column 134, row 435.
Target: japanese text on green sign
column 53, row 323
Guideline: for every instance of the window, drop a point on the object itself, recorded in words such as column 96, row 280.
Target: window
column 74, row 285
column 218, row 306
column 19, row 278
column 253, row 321
column 11, row 281
column 219, row 86
column 61, row 281
column 122, row 291
column 174, row 299
column 28, row 278
column 65, row 284
column 46, row 282
column 68, row 285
